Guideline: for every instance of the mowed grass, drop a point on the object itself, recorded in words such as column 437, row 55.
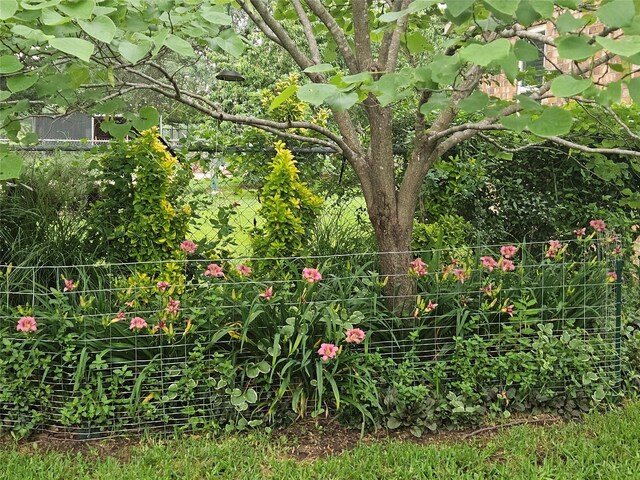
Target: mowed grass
column 605, row 446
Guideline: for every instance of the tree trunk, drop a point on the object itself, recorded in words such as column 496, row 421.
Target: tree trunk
column 393, row 234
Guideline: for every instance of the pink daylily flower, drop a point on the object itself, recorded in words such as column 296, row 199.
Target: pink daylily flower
column 327, row 351
column 213, row 270
column 508, row 310
column 173, row 306
column 311, row 275
column 430, row 307
column 580, row 232
column 188, row 246
column 69, row 286
column 612, row 277
column 598, row 225
column 162, row 286
column 267, row 294
column 27, row 324
column 460, row 274
column 508, row 251
column 355, row 335
column 418, row 267
column 489, row 263
column 507, row 265
column 137, row 323
column 244, row 270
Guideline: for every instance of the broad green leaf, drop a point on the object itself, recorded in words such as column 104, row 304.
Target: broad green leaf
column 179, row 45
column 4, row 94
column 625, row 46
column 444, row 69
column 50, row 17
column 78, row 9
column 456, row 7
column 634, row 89
column 568, row 23
column 391, row 88
column 543, row 7
column 528, row 104
column 323, row 67
column 618, row 13
column 507, row 7
column 568, row 85
column 9, row 64
column 611, row 94
column 8, row 8
column 148, row 117
column 437, row 101
column 283, row 96
column 342, row 101
column 554, row 121
column 158, row 40
column 217, row 18
column 516, row 122
column 526, row 14
column 251, row 396
column 73, row 46
column 229, row 42
column 101, row 28
column 10, row 164
column 18, row 83
column 31, row 33
column 133, row 53
column 525, row 51
column 316, row 93
column 364, row 77
column 115, row 105
column 417, row 43
column 414, row 7
column 510, row 67
column 474, row 102
column 27, row 5
column 575, row 47
column 485, row 54
column 569, row 3
column 116, row 130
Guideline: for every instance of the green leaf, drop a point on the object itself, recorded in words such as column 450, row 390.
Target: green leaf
column 526, row 14
column 554, row 121
column 18, row 83
column 474, row 102
column 229, row 42
column 8, row 8
column 31, row 33
column 634, row 89
column 568, row 23
column 4, row 94
column 10, row 64
column 485, row 54
column 179, row 45
column 362, row 77
column 437, row 101
column 508, row 7
column 251, row 396
column 101, row 28
column 575, row 47
column 217, row 18
column 39, row 6
column 133, row 53
column 51, row 17
column 444, row 69
column 417, row 43
column 78, row 9
column 516, row 122
column 543, row 7
column 323, row 67
column 568, row 85
column 284, row 95
column 316, row 93
column 10, row 164
column 414, row 7
column 73, row 46
column 625, row 47
column 456, row 7
column 148, row 117
column 618, row 13
column 525, row 51
column 342, row 101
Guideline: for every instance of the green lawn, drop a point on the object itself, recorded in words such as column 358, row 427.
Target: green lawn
column 605, row 446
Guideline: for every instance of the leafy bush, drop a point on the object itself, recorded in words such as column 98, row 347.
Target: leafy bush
column 142, row 215
column 288, row 207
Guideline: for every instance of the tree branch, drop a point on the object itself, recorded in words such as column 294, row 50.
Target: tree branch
column 308, row 31
column 336, row 33
column 604, row 151
column 390, row 46
column 264, row 28
column 362, row 35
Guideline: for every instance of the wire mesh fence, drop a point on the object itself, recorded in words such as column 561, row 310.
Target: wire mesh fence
column 104, row 349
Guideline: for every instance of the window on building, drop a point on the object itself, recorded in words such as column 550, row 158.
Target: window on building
column 533, row 70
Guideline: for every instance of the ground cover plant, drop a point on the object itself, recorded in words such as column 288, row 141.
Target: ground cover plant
column 603, row 446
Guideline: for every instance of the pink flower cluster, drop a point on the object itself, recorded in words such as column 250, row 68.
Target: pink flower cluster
column 508, row 251
column 173, row 306
column 506, row 265
column 612, row 277
column 430, row 307
column 267, row 294
column 162, row 286
column 188, row 246
column 489, row 263
column 311, row 275
column 327, row 351
column 418, row 267
column 27, row 324
column 508, row 309
column 213, row 270
column 555, row 247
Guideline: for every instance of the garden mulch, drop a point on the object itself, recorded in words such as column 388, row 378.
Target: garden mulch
column 305, row 440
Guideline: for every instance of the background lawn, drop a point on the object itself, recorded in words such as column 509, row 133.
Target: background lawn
column 605, row 446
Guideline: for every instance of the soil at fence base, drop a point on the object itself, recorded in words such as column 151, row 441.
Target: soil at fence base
column 306, row 439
